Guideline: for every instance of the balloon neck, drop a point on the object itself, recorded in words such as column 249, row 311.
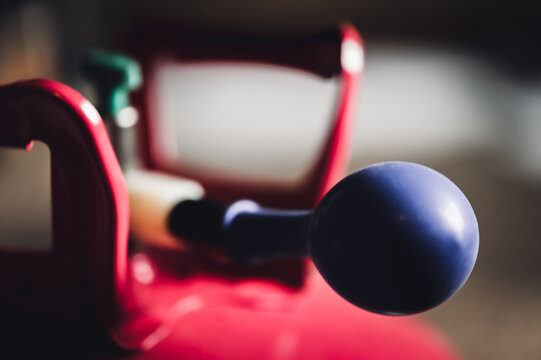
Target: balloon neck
column 252, row 234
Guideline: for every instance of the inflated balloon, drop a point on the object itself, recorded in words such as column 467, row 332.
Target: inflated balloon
column 394, row 238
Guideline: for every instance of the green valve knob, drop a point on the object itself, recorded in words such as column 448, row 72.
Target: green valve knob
column 114, row 77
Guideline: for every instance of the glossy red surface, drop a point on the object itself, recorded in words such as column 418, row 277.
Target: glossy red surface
column 82, row 282
column 325, row 327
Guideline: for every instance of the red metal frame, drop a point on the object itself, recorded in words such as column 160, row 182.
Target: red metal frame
column 320, row 54
column 83, row 280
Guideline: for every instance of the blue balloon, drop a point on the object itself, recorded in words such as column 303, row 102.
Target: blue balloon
column 394, row 238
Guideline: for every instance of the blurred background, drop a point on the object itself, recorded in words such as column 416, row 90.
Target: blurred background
column 455, row 85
